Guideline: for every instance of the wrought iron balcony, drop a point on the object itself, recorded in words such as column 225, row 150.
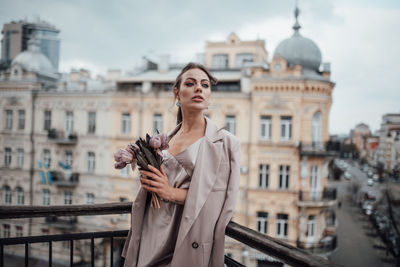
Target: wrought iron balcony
column 325, row 246
column 319, row 149
column 67, row 180
column 61, row 138
column 66, row 223
column 275, row 248
column 326, row 197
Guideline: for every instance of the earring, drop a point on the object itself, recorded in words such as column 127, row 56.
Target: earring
column 178, row 103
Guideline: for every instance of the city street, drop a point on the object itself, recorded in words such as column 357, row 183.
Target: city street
column 358, row 244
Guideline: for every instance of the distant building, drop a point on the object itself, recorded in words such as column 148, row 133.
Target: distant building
column 16, row 35
column 388, row 153
column 359, row 136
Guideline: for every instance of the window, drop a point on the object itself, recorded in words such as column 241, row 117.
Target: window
column 265, row 127
column 21, row 119
column 231, row 123
column 69, row 123
column 7, row 195
column 9, row 119
column 315, row 183
column 68, row 158
column 284, row 172
column 19, row 232
column 91, row 122
column 219, row 61
column 89, row 198
column 316, row 129
column 46, row 197
column 46, row 158
column 6, row 230
column 286, row 128
column 282, row 225
column 91, row 162
column 157, row 123
column 126, row 123
column 242, row 58
column 7, row 157
column 67, row 197
column 263, row 176
column 262, row 222
column 47, row 120
column 311, row 226
column 125, row 171
column 20, row 158
column 20, row 196
column 232, row 86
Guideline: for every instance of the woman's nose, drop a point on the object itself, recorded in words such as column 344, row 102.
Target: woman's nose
column 199, row 87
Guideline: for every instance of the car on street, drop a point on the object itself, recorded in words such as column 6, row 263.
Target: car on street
column 347, row 175
column 375, row 177
column 370, row 173
column 370, row 182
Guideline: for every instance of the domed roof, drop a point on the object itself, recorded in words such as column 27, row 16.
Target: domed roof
column 298, row 50
column 33, row 59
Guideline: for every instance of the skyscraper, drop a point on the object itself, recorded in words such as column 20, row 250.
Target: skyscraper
column 17, row 34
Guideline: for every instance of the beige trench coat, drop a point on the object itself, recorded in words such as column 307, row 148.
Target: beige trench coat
column 208, row 207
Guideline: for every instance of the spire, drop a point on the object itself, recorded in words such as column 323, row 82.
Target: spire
column 296, row 27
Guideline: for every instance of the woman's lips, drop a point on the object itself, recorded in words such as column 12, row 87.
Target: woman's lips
column 197, row 99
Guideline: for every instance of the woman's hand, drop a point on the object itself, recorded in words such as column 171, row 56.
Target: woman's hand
column 156, row 181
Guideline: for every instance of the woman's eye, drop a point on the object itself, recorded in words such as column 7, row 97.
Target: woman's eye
column 189, row 84
column 205, row 85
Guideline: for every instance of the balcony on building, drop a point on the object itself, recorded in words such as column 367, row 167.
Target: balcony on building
column 324, row 247
column 323, row 198
column 62, row 222
column 319, row 149
column 62, row 138
column 65, row 179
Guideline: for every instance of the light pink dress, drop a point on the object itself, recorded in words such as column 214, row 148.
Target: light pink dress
column 160, row 226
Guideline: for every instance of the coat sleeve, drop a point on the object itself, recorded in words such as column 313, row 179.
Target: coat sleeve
column 217, row 257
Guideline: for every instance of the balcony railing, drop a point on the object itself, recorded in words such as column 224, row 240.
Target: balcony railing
column 273, row 247
column 67, row 180
column 325, row 197
column 324, row 247
column 62, row 138
column 327, row 149
column 65, row 223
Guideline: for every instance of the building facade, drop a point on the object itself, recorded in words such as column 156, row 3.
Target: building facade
column 388, row 153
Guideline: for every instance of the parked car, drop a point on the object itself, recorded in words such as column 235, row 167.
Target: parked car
column 370, row 182
column 370, row 173
column 347, row 175
column 375, row 177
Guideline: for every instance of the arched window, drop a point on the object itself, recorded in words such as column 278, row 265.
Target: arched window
column 317, row 129
column 20, row 196
column 7, row 195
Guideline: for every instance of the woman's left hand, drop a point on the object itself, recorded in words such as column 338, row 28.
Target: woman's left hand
column 156, row 181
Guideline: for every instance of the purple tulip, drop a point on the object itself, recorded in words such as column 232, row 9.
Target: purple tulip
column 155, row 142
column 123, row 157
column 164, row 142
column 119, row 165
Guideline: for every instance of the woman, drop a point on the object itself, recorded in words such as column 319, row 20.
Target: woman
column 198, row 184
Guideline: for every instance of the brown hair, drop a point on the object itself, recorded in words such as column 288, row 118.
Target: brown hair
column 178, row 81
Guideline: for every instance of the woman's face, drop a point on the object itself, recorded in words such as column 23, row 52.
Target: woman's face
column 195, row 90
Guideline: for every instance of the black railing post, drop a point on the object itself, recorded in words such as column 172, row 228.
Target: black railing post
column 1, row 256
column 92, row 251
column 26, row 254
column 50, row 253
column 112, row 251
column 71, row 253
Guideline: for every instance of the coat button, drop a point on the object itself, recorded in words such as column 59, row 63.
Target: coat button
column 195, row 245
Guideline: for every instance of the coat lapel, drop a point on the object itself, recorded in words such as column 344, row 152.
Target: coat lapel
column 203, row 178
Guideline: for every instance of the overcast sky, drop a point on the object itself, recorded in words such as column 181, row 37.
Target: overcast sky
column 360, row 38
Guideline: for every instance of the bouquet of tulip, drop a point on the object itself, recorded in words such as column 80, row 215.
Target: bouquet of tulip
column 142, row 153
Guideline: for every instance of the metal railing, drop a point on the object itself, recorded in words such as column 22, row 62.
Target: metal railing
column 278, row 249
column 329, row 148
column 327, row 194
